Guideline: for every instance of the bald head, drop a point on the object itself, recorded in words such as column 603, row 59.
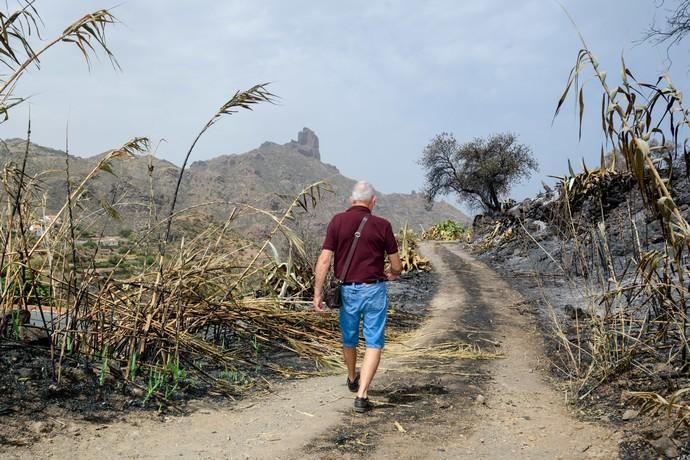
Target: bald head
column 362, row 191
column 363, row 194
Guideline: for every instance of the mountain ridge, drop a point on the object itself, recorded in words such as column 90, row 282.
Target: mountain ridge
column 258, row 178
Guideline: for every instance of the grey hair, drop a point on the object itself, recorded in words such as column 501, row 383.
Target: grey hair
column 362, row 191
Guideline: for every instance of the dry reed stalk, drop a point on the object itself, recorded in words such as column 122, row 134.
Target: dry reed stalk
column 441, row 351
column 653, row 404
column 192, row 307
column 123, row 327
column 88, row 34
column 644, row 300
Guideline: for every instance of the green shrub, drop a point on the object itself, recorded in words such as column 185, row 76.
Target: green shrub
column 90, row 245
column 446, row 231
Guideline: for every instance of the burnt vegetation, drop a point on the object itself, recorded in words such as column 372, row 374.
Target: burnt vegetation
column 182, row 305
column 191, row 306
column 617, row 237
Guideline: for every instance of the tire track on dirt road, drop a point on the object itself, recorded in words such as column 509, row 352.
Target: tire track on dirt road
column 522, row 417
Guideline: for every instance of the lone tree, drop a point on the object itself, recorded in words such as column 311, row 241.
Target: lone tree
column 480, row 172
column 677, row 24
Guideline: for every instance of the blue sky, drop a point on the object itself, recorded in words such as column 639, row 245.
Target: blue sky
column 376, row 80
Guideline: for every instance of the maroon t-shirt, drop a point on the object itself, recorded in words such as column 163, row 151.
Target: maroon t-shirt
column 377, row 240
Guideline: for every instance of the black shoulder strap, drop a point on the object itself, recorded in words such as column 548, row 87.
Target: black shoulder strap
column 358, row 233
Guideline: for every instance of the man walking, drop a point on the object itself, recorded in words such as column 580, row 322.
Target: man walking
column 364, row 294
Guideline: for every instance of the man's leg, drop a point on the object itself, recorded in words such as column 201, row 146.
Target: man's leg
column 373, row 329
column 349, row 328
column 350, row 355
column 372, row 357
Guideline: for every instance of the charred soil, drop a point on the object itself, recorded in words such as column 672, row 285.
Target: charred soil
column 469, row 383
column 578, row 268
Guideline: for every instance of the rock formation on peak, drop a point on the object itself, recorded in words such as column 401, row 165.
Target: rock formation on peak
column 307, row 144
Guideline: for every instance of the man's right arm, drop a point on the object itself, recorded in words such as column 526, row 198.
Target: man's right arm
column 323, row 264
column 396, row 267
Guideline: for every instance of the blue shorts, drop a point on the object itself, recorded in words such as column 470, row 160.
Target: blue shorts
column 368, row 302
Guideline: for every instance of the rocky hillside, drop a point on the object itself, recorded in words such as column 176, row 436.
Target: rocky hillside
column 262, row 177
column 608, row 287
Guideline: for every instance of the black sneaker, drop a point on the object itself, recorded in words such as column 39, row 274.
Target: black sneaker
column 353, row 386
column 362, row 405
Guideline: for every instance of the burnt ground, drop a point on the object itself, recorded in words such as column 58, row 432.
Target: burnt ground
column 30, row 394
column 32, row 403
column 562, row 255
column 554, row 296
column 426, row 405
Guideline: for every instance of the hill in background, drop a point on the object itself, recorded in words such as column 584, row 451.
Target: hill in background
column 263, row 177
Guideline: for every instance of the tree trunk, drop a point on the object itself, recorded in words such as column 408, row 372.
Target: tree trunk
column 495, row 204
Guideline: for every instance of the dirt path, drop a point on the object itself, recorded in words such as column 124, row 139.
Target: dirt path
column 523, row 416
column 426, row 407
